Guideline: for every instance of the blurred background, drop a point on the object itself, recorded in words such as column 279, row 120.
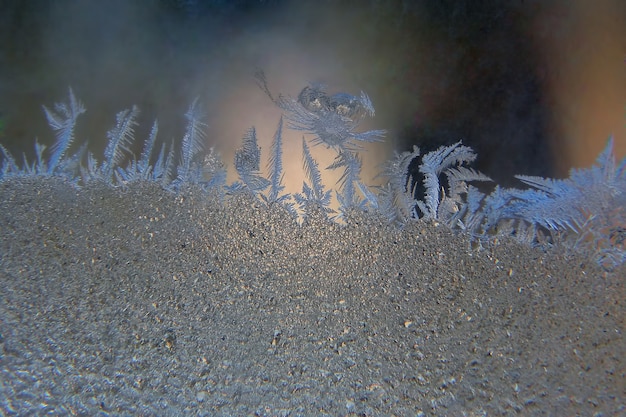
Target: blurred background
column 535, row 87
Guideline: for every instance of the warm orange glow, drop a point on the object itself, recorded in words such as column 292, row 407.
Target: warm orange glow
column 245, row 105
column 583, row 45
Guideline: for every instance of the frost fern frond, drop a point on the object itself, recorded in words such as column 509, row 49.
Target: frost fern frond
column 63, row 120
column 192, row 147
column 314, row 194
column 143, row 165
column 9, row 166
column 275, row 165
column 120, row 138
column 433, row 164
column 331, row 119
column 397, row 197
column 248, row 163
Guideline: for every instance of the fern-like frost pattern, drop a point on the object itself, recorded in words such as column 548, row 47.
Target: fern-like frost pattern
column 586, row 210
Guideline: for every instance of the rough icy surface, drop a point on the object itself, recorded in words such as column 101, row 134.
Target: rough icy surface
column 143, row 302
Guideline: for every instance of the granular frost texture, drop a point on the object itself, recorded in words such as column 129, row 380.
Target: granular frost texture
column 139, row 301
